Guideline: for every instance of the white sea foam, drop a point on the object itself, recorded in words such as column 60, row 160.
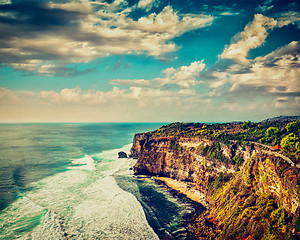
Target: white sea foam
column 110, row 213
column 110, row 163
column 20, row 215
column 87, row 163
column 50, row 228
column 90, row 203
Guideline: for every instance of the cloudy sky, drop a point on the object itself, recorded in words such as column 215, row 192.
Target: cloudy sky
column 148, row 60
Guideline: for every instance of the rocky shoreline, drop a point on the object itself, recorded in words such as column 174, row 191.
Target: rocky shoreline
column 164, row 229
column 195, row 205
column 193, row 208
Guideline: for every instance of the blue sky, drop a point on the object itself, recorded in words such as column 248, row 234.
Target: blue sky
column 148, row 60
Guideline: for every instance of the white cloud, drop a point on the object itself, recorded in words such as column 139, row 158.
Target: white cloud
column 229, row 13
column 91, row 30
column 134, row 104
column 183, row 77
column 253, row 36
column 274, row 75
column 140, row 93
column 76, row 96
column 287, row 104
column 8, row 97
column 217, row 85
column 115, row 99
column 278, row 80
column 278, row 71
column 293, row 48
column 3, row 2
column 287, row 18
column 134, row 82
column 28, row 65
column 147, row 4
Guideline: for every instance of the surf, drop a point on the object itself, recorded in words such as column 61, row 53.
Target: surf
column 84, row 202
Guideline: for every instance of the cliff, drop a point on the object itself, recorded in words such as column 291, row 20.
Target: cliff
column 250, row 192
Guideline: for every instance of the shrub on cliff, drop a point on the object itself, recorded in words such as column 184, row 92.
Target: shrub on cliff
column 250, row 210
column 272, row 132
column 213, row 152
column 291, row 145
column 246, row 124
column 293, row 127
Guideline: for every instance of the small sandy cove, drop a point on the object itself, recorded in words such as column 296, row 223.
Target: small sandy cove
column 183, row 188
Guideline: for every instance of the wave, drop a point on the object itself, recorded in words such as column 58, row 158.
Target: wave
column 86, row 163
column 80, row 204
column 110, row 163
column 22, row 215
column 50, row 228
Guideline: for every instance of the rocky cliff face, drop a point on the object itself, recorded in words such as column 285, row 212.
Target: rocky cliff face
column 241, row 183
column 183, row 159
column 164, row 157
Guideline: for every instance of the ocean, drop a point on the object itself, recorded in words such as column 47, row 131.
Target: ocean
column 65, row 181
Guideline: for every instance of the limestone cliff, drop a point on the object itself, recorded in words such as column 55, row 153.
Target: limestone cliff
column 182, row 158
column 250, row 193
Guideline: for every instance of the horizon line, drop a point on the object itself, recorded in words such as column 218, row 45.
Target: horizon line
column 167, row 122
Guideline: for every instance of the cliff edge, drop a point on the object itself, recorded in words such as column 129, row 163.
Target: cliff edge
column 250, row 190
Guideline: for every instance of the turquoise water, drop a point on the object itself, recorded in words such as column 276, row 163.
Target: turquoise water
column 30, row 152
column 64, row 181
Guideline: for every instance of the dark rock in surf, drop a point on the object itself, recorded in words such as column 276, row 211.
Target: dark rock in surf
column 122, row 155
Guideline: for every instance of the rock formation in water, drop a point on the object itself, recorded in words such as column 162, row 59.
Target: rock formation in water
column 251, row 191
column 122, row 155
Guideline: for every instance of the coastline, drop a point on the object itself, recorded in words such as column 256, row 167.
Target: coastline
column 184, row 188
column 169, row 212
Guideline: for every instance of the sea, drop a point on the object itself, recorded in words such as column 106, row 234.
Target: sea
column 65, row 181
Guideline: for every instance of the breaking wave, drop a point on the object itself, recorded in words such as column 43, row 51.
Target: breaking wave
column 84, row 202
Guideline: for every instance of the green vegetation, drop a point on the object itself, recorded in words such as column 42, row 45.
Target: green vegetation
column 213, row 152
column 238, row 159
column 286, row 134
column 258, row 200
column 218, row 182
column 242, row 210
column 272, row 132
column 174, row 144
column 291, row 145
column 246, row 124
column 246, row 175
column 293, row 127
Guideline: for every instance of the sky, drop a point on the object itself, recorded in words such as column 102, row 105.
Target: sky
column 149, row 60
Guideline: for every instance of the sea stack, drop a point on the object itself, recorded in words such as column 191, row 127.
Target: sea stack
column 122, row 155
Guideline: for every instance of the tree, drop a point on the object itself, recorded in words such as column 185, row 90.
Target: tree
column 290, row 143
column 272, row 132
column 246, row 124
column 293, row 127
